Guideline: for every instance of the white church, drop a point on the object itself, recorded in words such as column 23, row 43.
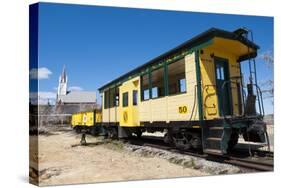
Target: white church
column 65, row 97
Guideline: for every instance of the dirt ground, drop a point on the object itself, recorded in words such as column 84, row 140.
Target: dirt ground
column 63, row 161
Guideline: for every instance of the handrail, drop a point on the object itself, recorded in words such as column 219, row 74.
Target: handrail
column 222, row 87
column 244, row 95
column 259, row 94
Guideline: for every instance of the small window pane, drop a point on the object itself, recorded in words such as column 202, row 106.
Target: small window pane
column 154, row 92
column 135, row 97
column 146, row 94
column 218, row 73
column 182, row 85
column 125, row 99
column 222, row 73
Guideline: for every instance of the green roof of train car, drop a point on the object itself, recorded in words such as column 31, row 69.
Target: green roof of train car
column 189, row 46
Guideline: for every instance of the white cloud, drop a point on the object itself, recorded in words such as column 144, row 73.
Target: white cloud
column 75, row 88
column 40, row 73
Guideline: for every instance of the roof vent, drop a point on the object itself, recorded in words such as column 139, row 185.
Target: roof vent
column 241, row 31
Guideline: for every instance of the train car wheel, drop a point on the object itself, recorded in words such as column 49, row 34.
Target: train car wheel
column 93, row 131
column 112, row 133
column 78, row 129
column 138, row 133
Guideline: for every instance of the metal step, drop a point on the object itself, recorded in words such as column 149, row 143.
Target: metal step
column 214, row 139
column 213, row 143
column 215, row 128
column 213, row 151
column 215, row 132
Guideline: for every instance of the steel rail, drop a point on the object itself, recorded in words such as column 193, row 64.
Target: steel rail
column 229, row 159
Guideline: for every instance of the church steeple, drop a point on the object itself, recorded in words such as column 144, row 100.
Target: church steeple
column 62, row 88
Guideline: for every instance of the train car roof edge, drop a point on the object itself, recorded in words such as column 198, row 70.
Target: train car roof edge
column 195, row 41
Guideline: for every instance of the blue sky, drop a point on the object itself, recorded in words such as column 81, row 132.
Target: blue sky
column 98, row 44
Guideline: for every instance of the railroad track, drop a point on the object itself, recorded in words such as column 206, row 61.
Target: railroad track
column 251, row 164
column 263, row 161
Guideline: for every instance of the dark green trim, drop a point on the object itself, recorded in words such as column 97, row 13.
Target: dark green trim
column 149, row 83
column 183, row 49
column 171, row 124
column 229, row 88
column 95, row 117
column 199, row 91
column 248, row 56
column 167, row 61
column 166, row 80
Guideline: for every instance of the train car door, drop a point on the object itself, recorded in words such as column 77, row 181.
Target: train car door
column 129, row 95
column 223, row 86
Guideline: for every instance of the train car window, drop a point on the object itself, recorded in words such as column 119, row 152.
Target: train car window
column 106, row 99
column 125, row 99
column 112, row 94
column 157, row 83
column 154, row 92
column 220, row 72
column 146, row 94
column 145, row 87
column 182, row 85
column 135, row 97
column 176, row 77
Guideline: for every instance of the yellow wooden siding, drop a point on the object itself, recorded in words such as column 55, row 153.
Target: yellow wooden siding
column 105, row 115
column 177, row 101
column 85, row 118
column 207, row 66
column 98, row 117
column 145, row 111
column 159, row 109
column 88, row 118
column 110, row 115
column 129, row 116
column 167, row 108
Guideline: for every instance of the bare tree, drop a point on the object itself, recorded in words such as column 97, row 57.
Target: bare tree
column 267, row 86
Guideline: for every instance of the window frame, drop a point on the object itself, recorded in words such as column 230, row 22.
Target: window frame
column 135, row 97
column 180, row 85
column 164, row 82
column 165, row 66
column 127, row 99
column 106, row 99
column 178, row 80
column 141, row 88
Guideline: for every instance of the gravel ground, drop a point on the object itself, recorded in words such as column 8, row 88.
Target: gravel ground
column 209, row 167
column 62, row 160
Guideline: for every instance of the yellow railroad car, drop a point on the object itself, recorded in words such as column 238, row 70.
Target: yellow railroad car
column 195, row 93
column 88, row 121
